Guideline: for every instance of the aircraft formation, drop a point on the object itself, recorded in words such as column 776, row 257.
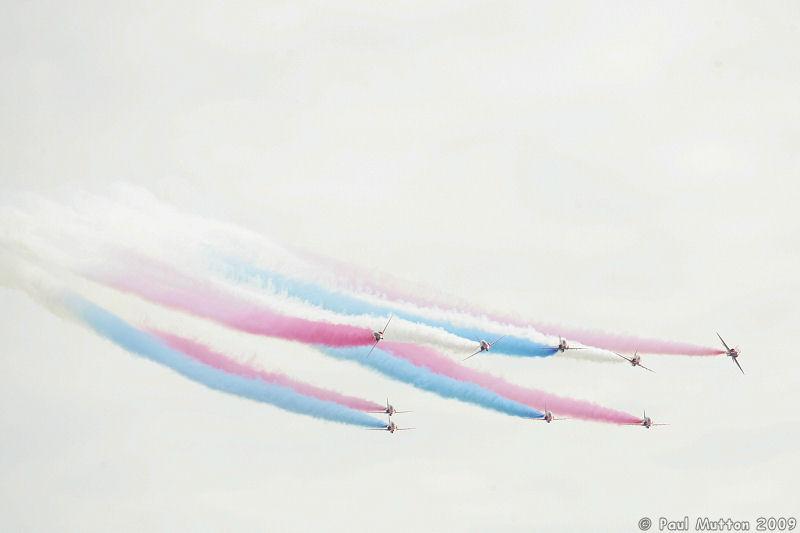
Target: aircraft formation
column 563, row 346
column 298, row 297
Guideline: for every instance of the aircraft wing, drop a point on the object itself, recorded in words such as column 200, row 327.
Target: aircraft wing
column 376, row 412
column 387, row 324
column 641, row 365
column 492, row 344
column 473, row 355
column 397, row 412
column 403, row 429
column 571, row 348
column 619, row 354
column 373, row 347
column 376, row 429
column 735, row 360
column 723, row 342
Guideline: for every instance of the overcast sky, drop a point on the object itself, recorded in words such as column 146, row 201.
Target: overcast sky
column 628, row 166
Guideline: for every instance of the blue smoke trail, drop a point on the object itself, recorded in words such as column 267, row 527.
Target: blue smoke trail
column 423, row 378
column 337, row 302
column 121, row 333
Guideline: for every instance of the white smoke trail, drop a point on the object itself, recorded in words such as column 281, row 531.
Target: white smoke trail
column 86, row 231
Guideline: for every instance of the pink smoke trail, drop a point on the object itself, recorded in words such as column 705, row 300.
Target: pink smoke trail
column 162, row 285
column 384, row 286
column 622, row 343
column 219, row 361
column 427, row 357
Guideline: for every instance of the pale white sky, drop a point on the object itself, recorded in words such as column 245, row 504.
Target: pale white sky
column 627, row 166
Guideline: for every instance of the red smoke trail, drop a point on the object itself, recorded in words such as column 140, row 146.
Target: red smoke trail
column 226, row 364
column 618, row 343
column 386, row 287
column 430, row 358
column 381, row 285
column 164, row 286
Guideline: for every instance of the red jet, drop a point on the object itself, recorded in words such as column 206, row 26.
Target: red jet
column 733, row 353
column 378, row 335
column 484, row 347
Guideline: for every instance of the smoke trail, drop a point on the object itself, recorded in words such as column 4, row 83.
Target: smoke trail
column 219, row 361
column 625, row 343
column 150, row 347
column 428, row 362
column 425, row 356
column 386, row 288
column 423, row 378
column 220, row 305
column 382, row 285
column 137, row 216
column 339, row 302
column 163, row 286
column 300, row 298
